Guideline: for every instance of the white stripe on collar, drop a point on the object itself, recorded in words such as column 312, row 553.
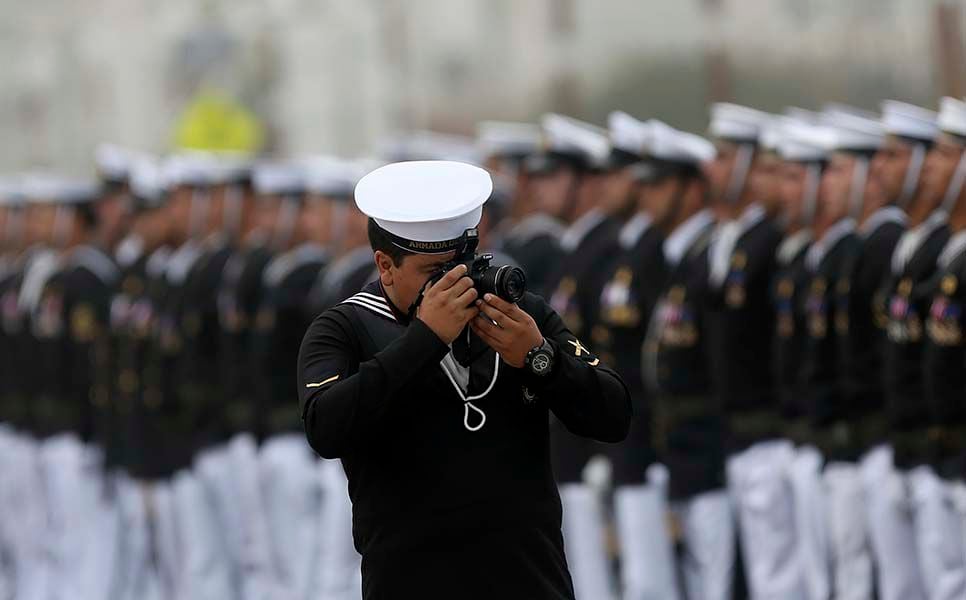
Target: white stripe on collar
column 632, row 231
column 913, row 238
column 579, row 229
column 685, row 234
column 96, row 261
column 954, row 247
column 886, row 214
column 791, row 245
column 821, row 248
column 372, row 303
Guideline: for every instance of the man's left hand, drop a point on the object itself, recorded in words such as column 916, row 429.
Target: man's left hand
column 514, row 334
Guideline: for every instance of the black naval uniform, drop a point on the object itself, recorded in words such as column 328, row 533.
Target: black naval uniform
column 944, row 364
column 788, row 293
column 534, row 242
column 126, row 354
column 860, row 324
column 626, row 303
column 576, row 285
column 198, row 372
column 72, row 326
column 826, row 412
column 280, row 324
column 740, row 326
column 341, row 279
column 688, row 422
column 13, row 406
column 239, row 298
column 908, row 292
column 440, row 511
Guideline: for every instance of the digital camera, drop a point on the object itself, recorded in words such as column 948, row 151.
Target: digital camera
column 506, row 281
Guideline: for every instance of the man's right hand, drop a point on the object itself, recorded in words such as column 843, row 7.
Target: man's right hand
column 449, row 304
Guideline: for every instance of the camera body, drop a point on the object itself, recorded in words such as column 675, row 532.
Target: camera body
column 505, row 281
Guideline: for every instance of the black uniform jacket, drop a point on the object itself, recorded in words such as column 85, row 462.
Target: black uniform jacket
column 908, row 293
column 944, row 363
column 440, row 511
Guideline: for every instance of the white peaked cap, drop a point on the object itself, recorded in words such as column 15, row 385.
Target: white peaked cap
column 282, row 178
column 627, row 133
column 11, row 191
column 114, row 162
column 425, row 205
column 771, row 133
column 952, row 115
column 42, row 188
column 854, row 129
column 569, row 135
column 909, row 120
column 147, row 180
column 331, row 176
column 802, row 141
column 737, row 123
column 501, row 138
column 673, row 145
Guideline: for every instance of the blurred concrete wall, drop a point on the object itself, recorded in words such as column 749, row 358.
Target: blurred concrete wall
column 338, row 75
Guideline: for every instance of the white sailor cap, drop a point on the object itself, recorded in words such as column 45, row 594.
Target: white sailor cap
column 45, row 188
column 425, row 206
column 952, row 115
column 673, row 145
column 736, row 123
column 566, row 135
column 802, row 141
column 331, row 176
column 909, row 120
column 278, row 179
column 113, row 162
column 11, row 191
column 628, row 134
column 147, row 182
column 503, row 138
column 184, row 170
column 854, row 130
column 771, row 134
column 801, row 114
column 226, row 168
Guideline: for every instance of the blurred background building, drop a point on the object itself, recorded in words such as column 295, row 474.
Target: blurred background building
column 296, row 76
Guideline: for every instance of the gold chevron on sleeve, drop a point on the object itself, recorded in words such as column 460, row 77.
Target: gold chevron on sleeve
column 321, row 383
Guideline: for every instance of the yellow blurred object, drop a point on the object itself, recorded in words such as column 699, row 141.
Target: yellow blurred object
column 215, row 122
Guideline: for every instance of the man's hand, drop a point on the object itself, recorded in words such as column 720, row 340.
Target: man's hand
column 515, row 332
column 447, row 305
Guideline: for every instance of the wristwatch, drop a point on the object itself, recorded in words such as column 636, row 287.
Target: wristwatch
column 540, row 359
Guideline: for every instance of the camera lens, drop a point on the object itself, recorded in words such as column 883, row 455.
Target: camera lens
column 509, row 283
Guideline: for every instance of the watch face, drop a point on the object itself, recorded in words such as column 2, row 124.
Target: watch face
column 540, row 363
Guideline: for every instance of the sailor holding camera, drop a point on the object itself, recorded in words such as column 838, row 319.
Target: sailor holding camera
column 434, row 391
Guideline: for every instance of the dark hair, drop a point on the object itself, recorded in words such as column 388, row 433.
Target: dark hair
column 87, row 215
column 381, row 242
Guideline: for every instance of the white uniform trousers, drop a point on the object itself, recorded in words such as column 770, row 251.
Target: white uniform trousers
column 939, row 538
column 340, row 566
column 647, row 553
column 204, row 567
column 811, row 521
column 888, row 517
column 292, row 493
column 708, row 538
column 585, row 541
column 848, row 535
column 761, row 489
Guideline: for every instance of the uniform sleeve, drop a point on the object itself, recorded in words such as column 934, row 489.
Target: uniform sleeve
column 344, row 401
column 589, row 398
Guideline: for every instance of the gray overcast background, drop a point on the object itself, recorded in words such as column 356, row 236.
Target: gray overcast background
column 339, row 75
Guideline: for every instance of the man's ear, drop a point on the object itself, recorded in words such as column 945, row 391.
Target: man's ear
column 384, row 263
